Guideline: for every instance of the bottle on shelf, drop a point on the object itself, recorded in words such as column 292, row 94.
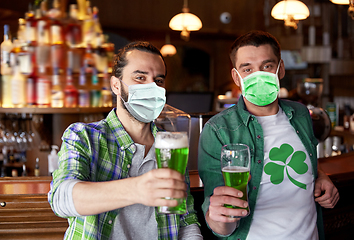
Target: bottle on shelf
column 88, row 25
column 84, row 94
column 43, row 88
column 6, row 48
column 70, row 92
column 31, row 26
column 106, row 91
column 95, row 91
column 88, row 60
column 56, row 36
column 6, row 71
column 36, row 168
column 24, row 170
column 31, row 84
column 43, row 24
column 100, row 56
column 57, row 96
column 42, row 48
column 18, row 85
column 73, row 32
column 25, row 52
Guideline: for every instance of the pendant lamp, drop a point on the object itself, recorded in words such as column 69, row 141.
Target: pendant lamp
column 185, row 22
column 291, row 11
column 341, row 2
column 168, row 49
column 346, row 2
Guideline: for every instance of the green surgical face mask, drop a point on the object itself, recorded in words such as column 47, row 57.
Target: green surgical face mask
column 260, row 88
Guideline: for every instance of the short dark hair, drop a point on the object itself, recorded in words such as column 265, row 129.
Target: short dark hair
column 255, row 38
column 120, row 60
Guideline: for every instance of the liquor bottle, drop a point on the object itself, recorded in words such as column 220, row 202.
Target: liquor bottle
column 31, row 85
column 95, row 90
column 25, row 54
column 88, row 60
column 42, row 25
column 18, row 85
column 88, row 25
column 6, row 48
column 57, row 98
column 24, row 170
column 109, row 47
column 31, row 27
column 56, row 36
column 43, row 88
column 73, row 32
column 100, row 56
column 98, row 33
column 43, row 47
column 36, row 168
column 70, row 92
column 106, row 91
column 56, row 27
column 84, row 94
column 6, row 71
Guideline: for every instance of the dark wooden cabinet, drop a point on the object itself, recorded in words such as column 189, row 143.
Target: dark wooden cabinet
column 25, row 212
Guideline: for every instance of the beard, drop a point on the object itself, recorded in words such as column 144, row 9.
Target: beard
column 124, row 96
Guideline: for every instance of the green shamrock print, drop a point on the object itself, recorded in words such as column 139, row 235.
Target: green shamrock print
column 276, row 170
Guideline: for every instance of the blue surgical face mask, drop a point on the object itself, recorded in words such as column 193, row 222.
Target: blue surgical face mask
column 145, row 101
column 260, row 88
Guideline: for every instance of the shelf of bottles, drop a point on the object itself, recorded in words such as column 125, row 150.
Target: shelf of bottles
column 58, row 62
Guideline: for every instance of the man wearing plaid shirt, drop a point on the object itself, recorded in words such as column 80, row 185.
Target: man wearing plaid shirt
column 107, row 184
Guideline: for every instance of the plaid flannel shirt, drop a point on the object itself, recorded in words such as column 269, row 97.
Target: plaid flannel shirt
column 103, row 151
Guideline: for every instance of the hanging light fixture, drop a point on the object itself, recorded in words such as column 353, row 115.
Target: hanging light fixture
column 168, row 49
column 341, row 2
column 346, row 2
column 291, row 11
column 185, row 22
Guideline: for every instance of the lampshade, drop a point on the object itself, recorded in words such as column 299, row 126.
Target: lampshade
column 168, row 50
column 342, row 2
column 185, row 21
column 290, row 9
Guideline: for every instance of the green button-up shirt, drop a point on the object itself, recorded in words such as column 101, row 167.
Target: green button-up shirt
column 103, row 151
column 237, row 125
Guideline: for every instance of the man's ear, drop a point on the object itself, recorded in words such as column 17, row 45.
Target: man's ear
column 236, row 77
column 281, row 69
column 115, row 85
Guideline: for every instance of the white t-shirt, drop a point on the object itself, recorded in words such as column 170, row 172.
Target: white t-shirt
column 285, row 207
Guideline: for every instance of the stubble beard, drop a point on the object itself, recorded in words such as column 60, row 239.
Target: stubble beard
column 125, row 96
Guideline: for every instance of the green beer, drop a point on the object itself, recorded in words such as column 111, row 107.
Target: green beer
column 236, row 177
column 172, row 150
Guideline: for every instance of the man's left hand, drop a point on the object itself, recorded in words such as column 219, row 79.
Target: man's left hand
column 326, row 194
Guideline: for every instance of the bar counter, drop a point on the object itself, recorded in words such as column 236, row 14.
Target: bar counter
column 25, row 212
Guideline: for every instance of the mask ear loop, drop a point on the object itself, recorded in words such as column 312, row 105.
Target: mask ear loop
column 276, row 74
column 242, row 86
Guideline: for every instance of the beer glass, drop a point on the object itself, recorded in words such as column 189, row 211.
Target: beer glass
column 171, row 150
column 235, row 167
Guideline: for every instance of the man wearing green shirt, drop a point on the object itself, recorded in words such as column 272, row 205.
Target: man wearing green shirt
column 107, row 184
column 286, row 188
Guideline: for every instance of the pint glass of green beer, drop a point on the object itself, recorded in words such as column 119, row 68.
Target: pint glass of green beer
column 235, row 167
column 171, row 150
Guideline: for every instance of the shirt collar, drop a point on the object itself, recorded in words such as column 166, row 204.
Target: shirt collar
column 120, row 134
column 245, row 115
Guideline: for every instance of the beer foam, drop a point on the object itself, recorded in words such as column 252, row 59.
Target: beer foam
column 235, row 169
column 171, row 140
